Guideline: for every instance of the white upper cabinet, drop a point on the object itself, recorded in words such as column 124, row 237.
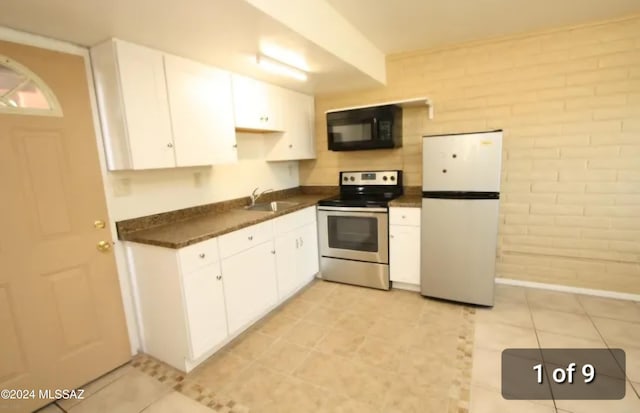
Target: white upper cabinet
column 257, row 105
column 201, row 112
column 298, row 141
column 160, row 111
column 134, row 109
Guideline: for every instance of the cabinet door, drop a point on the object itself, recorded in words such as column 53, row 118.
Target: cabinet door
column 302, row 128
column 250, row 285
column 146, row 108
column 201, row 111
column 297, row 142
column 307, row 257
column 205, row 309
column 404, row 254
column 256, row 104
column 286, row 260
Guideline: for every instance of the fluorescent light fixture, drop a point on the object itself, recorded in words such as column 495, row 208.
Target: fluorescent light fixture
column 280, row 68
column 283, row 55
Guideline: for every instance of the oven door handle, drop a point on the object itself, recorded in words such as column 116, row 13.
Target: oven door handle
column 352, row 209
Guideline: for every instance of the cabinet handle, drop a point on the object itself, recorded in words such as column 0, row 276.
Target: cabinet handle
column 390, row 236
column 301, row 243
column 218, row 277
column 235, row 145
column 297, row 242
column 273, row 251
column 169, row 145
column 266, row 119
column 290, row 146
column 404, row 217
column 250, row 237
column 201, row 255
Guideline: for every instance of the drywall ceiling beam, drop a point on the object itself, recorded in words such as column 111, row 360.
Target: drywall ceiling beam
column 321, row 24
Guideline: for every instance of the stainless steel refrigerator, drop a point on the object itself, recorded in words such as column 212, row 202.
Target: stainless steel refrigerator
column 460, row 197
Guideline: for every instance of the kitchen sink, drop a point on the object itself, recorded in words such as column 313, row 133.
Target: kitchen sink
column 271, row 206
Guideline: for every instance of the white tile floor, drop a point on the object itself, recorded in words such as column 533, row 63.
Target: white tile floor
column 520, row 318
column 546, row 319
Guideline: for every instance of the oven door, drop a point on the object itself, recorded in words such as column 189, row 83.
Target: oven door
column 354, row 233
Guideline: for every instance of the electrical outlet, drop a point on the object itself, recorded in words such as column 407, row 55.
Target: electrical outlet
column 122, row 187
column 197, row 179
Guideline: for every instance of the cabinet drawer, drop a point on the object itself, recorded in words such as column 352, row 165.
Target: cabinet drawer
column 198, row 255
column 294, row 220
column 404, row 216
column 245, row 238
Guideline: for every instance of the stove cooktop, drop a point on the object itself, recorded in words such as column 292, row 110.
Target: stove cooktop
column 362, row 201
column 366, row 189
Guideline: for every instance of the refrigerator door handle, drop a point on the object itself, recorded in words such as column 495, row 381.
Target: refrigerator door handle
column 460, row 195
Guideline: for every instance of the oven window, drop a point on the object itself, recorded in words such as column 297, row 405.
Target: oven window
column 354, row 132
column 353, row 233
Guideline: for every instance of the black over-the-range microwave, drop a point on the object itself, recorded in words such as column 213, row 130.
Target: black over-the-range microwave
column 377, row 127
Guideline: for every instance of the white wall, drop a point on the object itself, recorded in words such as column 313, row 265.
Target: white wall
column 138, row 193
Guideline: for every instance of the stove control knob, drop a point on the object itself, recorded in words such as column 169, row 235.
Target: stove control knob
column 393, row 178
column 384, row 178
column 352, row 179
column 345, row 179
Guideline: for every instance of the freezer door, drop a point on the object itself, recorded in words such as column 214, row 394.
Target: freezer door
column 458, row 249
column 466, row 162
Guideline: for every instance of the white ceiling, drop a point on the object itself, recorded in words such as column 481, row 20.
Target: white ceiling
column 404, row 25
column 224, row 33
column 228, row 33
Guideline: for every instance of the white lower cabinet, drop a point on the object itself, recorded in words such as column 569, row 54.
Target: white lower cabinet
column 194, row 300
column 404, row 246
column 308, row 263
column 287, row 251
column 206, row 313
column 296, row 259
column 250, row 285
column 181, row 301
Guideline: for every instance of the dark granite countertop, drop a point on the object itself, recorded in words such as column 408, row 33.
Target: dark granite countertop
column 177, row 229
column 408, row 201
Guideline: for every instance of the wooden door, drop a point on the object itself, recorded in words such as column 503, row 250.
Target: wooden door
column 202, row 113
column 61, row 310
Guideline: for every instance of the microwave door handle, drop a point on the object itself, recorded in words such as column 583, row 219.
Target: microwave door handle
column 374, row 126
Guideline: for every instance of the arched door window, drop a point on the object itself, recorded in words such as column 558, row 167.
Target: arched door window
column 23, row 92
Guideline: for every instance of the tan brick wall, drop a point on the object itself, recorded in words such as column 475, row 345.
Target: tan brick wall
column 569, row 104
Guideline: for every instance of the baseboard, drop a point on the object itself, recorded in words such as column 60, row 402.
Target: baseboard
column 569, row 289
column 396, row 285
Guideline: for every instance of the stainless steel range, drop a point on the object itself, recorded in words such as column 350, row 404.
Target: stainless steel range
column 353, row 228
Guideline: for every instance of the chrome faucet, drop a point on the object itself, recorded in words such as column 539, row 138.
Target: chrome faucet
column 255, row 195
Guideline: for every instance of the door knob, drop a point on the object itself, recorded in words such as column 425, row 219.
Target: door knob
column 103, row 246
